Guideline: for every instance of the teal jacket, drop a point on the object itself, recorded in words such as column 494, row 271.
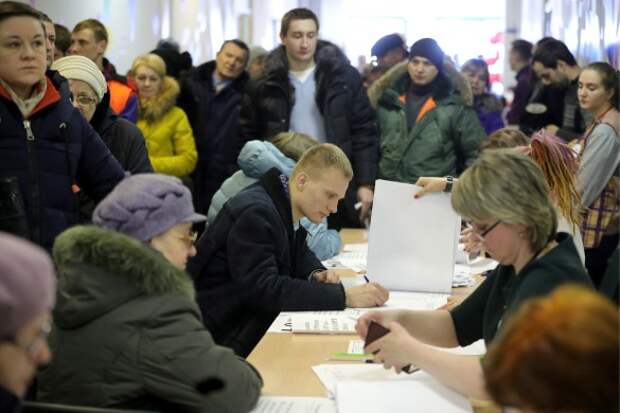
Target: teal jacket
column 443, row 142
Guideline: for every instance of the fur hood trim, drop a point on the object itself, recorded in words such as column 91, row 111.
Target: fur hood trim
column 392, row 76
column 122, row 256
column 153, row 109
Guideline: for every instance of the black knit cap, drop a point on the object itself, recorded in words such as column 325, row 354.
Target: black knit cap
column 429, row 49
column 387, row 43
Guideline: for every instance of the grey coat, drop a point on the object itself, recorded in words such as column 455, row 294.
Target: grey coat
column 128, row 333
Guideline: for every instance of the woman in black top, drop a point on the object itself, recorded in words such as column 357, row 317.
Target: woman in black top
column 505, row 198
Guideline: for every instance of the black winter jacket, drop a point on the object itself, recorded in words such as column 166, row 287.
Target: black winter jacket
column 122, row 137
column 52, row 153
column 340, row 97
column 214, row 119
column 251, row 265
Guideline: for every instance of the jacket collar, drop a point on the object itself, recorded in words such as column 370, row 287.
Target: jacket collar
column 52, row 95
column 328, row 57
column 276, row 186
column 153, row 109
column 100, row 269
column 204, row 73
column 396, row 81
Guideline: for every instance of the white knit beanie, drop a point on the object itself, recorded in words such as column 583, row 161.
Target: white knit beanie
column 82, row 68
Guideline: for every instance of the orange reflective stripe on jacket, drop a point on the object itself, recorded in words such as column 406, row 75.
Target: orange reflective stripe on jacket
column 427, row 107
column 119, row 95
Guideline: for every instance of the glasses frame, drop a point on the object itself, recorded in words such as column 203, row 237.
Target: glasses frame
column 80, row 100
column 489, row 229
column 190, row 240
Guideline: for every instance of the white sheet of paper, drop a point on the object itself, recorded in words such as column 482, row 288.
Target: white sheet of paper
column 477, row 348
column 414, row 301
column 271, row 404
column 356, row 347
column 340, row 323
column 355, row 247
column 422, row 393
column 411, row 245
column 348, row 282
column 330, row 374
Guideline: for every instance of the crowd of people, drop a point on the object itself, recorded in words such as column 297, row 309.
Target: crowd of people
column 153, row 224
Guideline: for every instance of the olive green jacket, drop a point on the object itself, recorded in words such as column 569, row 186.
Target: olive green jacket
column 128, row 333
column 443, row 142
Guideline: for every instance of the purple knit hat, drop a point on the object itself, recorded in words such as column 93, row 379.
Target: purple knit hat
column 146, row 205
column 27, row 283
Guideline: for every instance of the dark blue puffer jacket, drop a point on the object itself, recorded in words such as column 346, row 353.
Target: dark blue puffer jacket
column 53, row 153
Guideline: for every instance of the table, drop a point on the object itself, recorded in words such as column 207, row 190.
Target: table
column 285, row 360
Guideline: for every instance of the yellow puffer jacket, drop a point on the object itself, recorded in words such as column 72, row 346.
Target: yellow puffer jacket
column 168, row 134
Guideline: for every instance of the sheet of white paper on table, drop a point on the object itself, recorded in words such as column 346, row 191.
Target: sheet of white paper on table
column 348, row 282
column 398, row 300
column 482, row 264
column 356, row 347
column 412, row 247
column 477, row 348
column 355, row 247
column 271, row 404
column 423, row 394
column 330, row 374
column 339, row 323
column 414, row 301
column 355, row 260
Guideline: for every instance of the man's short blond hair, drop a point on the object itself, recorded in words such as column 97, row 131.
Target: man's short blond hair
column 322, row 157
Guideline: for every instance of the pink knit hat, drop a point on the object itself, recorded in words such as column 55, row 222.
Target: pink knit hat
column 27, row 283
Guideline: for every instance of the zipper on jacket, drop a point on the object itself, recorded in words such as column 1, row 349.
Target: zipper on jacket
column 34, row 182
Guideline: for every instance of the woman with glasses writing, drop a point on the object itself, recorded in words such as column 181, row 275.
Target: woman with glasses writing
column 128, row 332
column 27, row 290
column 505, row 198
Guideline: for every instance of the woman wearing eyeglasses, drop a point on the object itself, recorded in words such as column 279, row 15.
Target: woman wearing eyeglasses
column 89, row 91
column 505, row 198
column 27, row 290
column 128, row 333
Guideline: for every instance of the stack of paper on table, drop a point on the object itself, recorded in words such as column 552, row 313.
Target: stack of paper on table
column 335, row 322
column 398, row 300
column 267, row 404
column 422, row 393
column 412, row 242
column 383, row 387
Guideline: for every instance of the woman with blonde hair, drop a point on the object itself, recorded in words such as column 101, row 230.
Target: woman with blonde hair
column 559, row 166
column 515, row 221
column 169, row 137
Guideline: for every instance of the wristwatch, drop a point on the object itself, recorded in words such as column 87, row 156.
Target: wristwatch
column 449, row 181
